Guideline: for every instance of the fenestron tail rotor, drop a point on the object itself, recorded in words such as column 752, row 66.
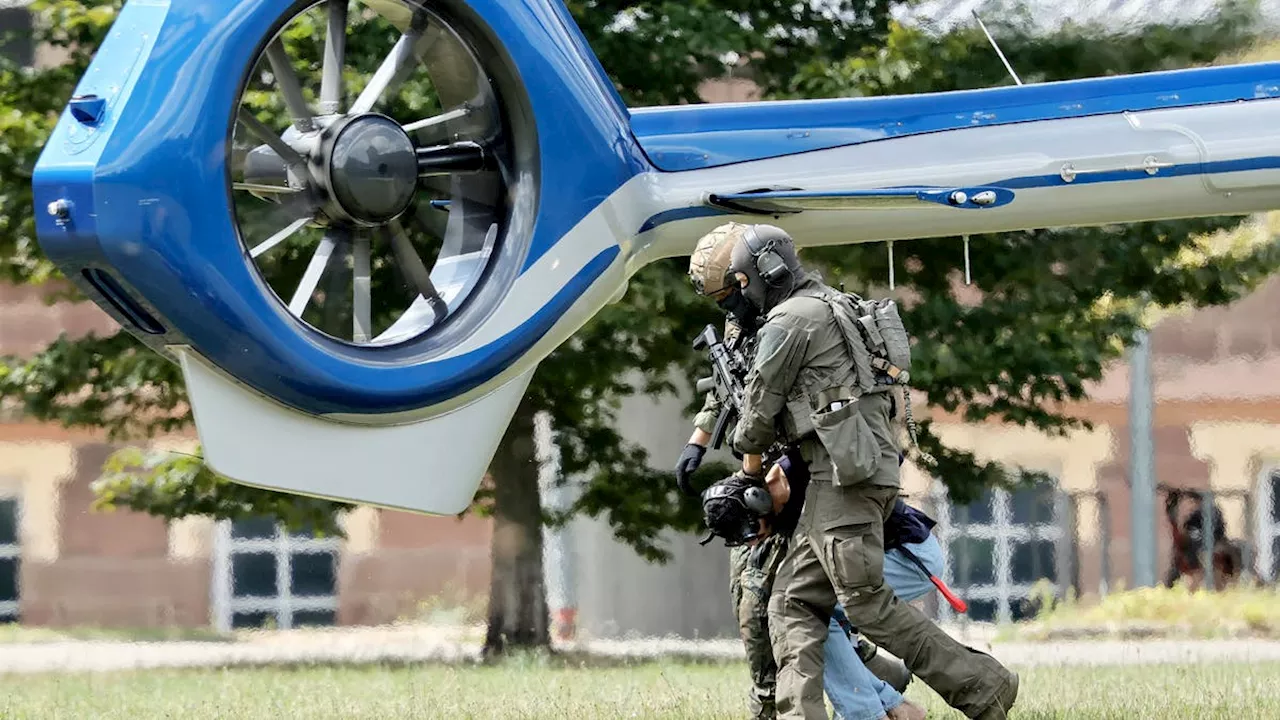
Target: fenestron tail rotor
column 370, row 169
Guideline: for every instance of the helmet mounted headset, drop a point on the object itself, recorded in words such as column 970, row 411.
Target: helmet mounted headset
column 753, row 502
column 748, row 304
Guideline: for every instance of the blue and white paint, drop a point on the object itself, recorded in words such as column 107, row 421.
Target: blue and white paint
column 140, row 194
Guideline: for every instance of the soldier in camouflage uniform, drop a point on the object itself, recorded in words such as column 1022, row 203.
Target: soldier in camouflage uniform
column 805, row 378
column 751, row 569
column 751, row 574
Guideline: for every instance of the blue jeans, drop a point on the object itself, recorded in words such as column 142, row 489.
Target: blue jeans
column 854, row 692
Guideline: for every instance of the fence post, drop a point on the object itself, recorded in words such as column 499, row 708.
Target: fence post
column 1249, row 561
column 1104, row 529
column 1142, row 484
column 1073, row 541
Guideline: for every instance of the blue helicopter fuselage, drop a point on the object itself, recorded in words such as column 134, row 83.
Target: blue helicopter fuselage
column 133, row 192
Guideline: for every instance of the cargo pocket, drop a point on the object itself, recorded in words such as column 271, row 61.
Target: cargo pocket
column 847, row 556
column 845, row 434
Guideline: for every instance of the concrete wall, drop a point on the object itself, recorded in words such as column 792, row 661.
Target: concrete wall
column 618, row 592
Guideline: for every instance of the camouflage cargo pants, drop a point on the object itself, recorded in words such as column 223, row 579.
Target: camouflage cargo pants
column 751, row 574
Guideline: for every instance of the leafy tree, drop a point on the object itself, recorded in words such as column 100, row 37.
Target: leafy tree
column 1056, row 306
column 1073, row 296
column 113, row 384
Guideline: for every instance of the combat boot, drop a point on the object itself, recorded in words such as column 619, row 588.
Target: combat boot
column 892, row 671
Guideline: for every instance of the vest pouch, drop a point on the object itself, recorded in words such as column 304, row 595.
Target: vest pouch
column 854, row 341
column 897, row 343
column 855, row 455
column 799, row 418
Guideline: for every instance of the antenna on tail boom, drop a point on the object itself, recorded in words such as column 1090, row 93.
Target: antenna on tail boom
column 999, row 52
column 996, row 46
column 967, row 277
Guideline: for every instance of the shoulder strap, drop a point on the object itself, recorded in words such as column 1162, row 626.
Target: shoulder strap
column 850, row 325
column 856, row 349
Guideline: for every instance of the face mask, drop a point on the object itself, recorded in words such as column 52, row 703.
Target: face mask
column 740, row 309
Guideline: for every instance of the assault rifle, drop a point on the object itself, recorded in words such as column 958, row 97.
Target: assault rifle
column 728, row 368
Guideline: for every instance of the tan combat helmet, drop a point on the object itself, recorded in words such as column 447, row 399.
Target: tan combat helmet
column 712, row 256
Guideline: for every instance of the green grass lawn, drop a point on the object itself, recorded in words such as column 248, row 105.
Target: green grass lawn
column 646, row 690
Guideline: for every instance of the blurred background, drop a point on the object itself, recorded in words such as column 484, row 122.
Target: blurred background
column 1068, row 350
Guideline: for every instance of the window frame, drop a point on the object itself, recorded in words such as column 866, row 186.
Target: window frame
column 282, row 606
column 1004, row 535
column 11, row 610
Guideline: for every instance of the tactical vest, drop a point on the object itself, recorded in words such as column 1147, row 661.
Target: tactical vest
column 879, row 351
column 877, row 342
column 876, row 338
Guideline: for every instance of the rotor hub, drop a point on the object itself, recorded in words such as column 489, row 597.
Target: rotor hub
column 371, row 169
column 374, row 220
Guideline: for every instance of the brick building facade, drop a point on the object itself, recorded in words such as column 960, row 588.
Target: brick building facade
column 68, row 565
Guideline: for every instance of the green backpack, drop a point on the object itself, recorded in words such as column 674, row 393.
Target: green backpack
column 880, row 347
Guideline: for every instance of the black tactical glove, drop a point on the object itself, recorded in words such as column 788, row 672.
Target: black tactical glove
column 690, row 459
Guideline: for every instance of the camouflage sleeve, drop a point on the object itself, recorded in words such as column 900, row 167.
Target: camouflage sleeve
column 780, row 351
column 705, row 420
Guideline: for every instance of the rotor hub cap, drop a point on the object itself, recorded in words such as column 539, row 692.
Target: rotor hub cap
column 373, row 169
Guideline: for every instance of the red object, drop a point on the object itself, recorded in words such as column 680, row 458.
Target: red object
column 956, row 603
column 567, row 623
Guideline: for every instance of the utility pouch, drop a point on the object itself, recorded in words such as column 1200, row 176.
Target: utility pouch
column 855, row 455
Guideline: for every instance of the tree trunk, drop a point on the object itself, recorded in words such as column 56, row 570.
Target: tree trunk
column 518, row 614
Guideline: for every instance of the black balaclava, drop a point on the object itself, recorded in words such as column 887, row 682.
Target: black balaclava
column 760, row 296
column 741, row 311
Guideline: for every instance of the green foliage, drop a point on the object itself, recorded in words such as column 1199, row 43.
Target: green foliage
column 1044, row 329
column 1243, row 610
column 1057, row 306
column 661, row 52
column 113, row 383
column 182, row 485
column 916, row 59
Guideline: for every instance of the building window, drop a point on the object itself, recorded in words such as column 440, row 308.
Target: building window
column 1268, row 522
column 999, row 547
column 266, row 577
column 9, row 560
